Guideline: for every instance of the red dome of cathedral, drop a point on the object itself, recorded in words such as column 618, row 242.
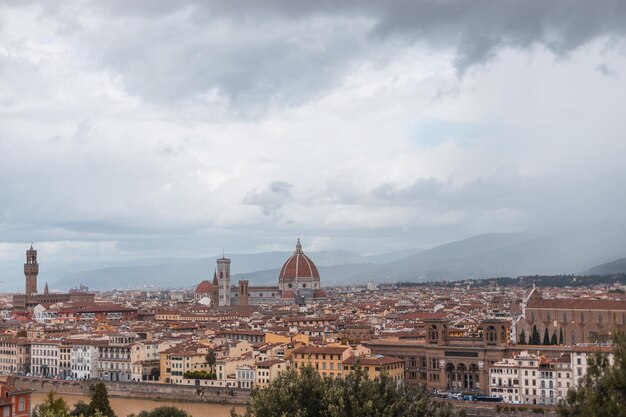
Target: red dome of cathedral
column 204, row 287
column 298, row 266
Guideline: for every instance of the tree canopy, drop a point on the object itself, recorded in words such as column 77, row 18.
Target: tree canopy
column 99, row 401
column 165, row 411
column 602, row 391
column 306, row 394
column 53, row 406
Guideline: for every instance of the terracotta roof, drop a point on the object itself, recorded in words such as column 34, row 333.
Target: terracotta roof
column 270, row 362
column 372, row 360
column 333, row 350
column 578, row 304
column 204, row 287
column 319, row 293
column 298, row 266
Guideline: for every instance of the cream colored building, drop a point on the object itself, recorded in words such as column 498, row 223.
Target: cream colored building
column 267, row 371
column 14, row 356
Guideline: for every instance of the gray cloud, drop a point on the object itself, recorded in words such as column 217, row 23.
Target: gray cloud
column 160, row 125
column 247, row 56
column 270, row 199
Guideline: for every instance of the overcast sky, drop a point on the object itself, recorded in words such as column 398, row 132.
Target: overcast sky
column 132, row 129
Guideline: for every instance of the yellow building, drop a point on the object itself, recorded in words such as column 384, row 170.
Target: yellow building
column 327, row 360
column 375, row 365
column 174, row 362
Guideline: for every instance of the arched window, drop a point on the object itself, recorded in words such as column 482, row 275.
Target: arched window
column 491, row 334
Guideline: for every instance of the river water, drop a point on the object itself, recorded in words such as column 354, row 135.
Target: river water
column 125, row 406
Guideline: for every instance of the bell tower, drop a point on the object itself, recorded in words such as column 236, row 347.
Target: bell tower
column 223, row 279
column 31, row 270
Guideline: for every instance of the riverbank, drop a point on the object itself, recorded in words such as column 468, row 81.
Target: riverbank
column 138, row 390
column 125, row 406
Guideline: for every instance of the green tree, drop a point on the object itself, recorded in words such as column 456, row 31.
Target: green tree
column 99, row 401
column 155, row 374
column 522, row 337
column 164, row 411
column 561, row 339
column 211, row 358
column 553, row 340
column 53, row 406
column 534, row 339
column 200, row 375
column 80, row 408
column 602, row 391
column 546, row 338
column 306, row 394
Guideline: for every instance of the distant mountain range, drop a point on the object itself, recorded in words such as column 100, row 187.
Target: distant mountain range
column 260, row 268
column 615, row 267
column 574, row 249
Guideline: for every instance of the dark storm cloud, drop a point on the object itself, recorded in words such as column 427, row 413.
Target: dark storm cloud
column 252, row 54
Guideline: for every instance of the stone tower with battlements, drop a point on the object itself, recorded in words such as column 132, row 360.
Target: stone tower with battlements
column 31, row 270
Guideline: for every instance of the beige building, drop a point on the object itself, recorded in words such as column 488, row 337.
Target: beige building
column 374, row 366
column 114, row 360
column 145, row 360
column 268, row 370
column 14, row 356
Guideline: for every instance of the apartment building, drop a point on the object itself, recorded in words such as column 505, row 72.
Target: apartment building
column 114, row 360
column 14, row 356
column 145, row 360
column 84, row 358
column 327, row 360
column 268, row 370
column 182, row 358
column 65, row 360
column 45, row 358
column 528, row 378
column 375, row 365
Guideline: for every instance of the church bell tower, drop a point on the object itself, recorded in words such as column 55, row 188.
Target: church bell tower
column 31, row 270
column 223, row 278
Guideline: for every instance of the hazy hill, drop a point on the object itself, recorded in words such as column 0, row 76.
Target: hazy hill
column 615, row 267
column 259, row 268
column 563, row 250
